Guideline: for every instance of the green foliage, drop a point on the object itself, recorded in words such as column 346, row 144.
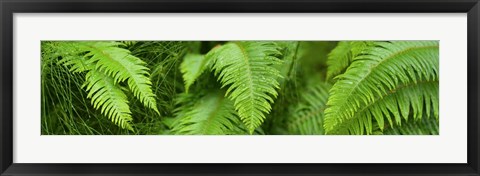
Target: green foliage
column 63, row 98
column 163, row 59
column 247, row 68
column 209, row 114
column 307, row 118
column 289, row 50
column 109, row 98
column 121, row 66
column 192, row 67
column 108, row 65
column 424, row 126
column 341, row 56
column 240, row 87
column 384, row 83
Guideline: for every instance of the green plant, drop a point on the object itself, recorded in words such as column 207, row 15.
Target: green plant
column 107, row 66
column 307, row 117
column 209, row 114
column 384, row 82
column 247, row 68
column 240, row 87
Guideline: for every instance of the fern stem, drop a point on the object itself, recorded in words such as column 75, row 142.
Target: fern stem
column 294, row 60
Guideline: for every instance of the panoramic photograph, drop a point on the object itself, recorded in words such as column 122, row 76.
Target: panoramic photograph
column 240, row 87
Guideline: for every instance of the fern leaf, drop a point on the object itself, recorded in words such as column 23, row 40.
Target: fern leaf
column 120, row 65
column 76, row 63
column 211, row 114
column 107, row 65
column 71, row 56
column 425, row 126
column 109, row 98
column 248, row 70
column 341, row 56
column 392, row 107
column 381, row 82
column 192, row 67
column 308, row 115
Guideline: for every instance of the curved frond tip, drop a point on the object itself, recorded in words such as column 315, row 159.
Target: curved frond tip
column 192, row 67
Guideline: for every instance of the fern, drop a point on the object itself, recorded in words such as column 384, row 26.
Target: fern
column 192, row 67
column 120, row 65
column 211, row 114
column 384, row 83
column 393, row 106
column 341, row 56
column 424, row 126
column 289, row 50
column 248, row 69
column 269, row 87
column 107, row 65
column 307, row 118
column 109, row 98
column 163, row 58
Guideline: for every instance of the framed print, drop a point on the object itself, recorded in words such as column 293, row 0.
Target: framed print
column 158, row 87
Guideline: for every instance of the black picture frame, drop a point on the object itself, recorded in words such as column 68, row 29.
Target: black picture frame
column 9, row 7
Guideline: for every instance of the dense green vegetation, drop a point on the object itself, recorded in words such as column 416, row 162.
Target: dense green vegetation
column 240, row 87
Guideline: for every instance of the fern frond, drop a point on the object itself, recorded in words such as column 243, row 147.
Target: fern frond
column 403, row 102
column 248, row 70
column 341, row 56
column 192, row 67
column 109, row 98
column 121, row 66
column 76, row 63
column 211, row 114
column 385, row 81
column 107, row 65
column 424, row 126
column 71, row 56
column 307, row 117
